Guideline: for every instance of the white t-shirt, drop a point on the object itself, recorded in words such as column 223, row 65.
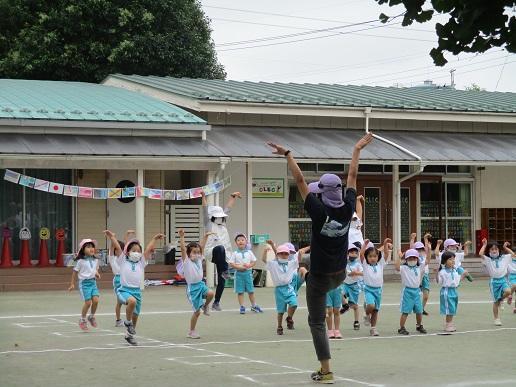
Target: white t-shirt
column 355, row 232
column 351, row 267
column 192, row 270
column 131, row 273
column 282, row 273
column 422, row 260
column 410, row 276
column 497, row 268
column 459, row 257
column 114, row 265
column 448, row 278
column 242, row 257
column 512, row 266
column 86, row 268
column 373, row 274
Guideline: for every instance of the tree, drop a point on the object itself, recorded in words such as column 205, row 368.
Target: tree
column 473, row 25
column 85, row 40
column 474, row 87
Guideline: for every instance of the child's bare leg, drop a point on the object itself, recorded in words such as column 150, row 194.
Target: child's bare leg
column 291, row 311
column 496, row 307
column 118, row 307
column 449, row 318
column 336, row 319
column 280, row 319
column 129, row 309
column 374, row 317
column 241, row 299
column 85, row 308
column 403, row 319
column 329, row 319
column 209, row 297
column 356, row 312
column 251, row 298
column 193, row 320
column 425, row 297
column 302, row 272
column 419, row 319
column 94, row 304
column 135, row 319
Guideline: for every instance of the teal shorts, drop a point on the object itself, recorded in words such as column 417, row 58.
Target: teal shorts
column 285, row 295
column 196, row 294
column 244, row 282
column 116, row 282
column 512, row 279
column 425, row 284
column 124, row 293
column 334, row 298
column 297, row 282
column 352, row 291
column 449, row 301
column 498, row 287
column 373, row 296
column 411, row 301
column 88, row 289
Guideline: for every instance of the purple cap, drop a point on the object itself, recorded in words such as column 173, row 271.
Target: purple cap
column 450, row 242
column 330, row 188
column 411, row 253
column 419, row 245
column 291, row 247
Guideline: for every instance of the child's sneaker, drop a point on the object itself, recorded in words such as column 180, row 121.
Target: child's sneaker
column 256, row 309
column 119, row 323
column 130, row 339
column 130, row 327
column 205, row 310
column 509, row 300
column 319, row 377
column 331, row 334
column 498, row 322
column 225, row 274
column 344, row 309
column 469, row 278
column 92, row 321
column 242, row 309
column 290, row 322
column 421, row 329
column 279, row 331
column 367, row 320
column 83, row 325
column 403, row 331
column 193, row 335
column 356, row 326
column 216, row 306
column 449, row 328
column 337, row 334
column 425, row 313
column 373, row 332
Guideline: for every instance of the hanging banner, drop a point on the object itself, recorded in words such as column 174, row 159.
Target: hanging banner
column 115, row 193
column 268, row 188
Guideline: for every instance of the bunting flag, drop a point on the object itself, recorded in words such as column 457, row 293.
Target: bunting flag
column 115, row 193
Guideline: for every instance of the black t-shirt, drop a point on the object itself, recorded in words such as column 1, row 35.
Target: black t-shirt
column 330, row 226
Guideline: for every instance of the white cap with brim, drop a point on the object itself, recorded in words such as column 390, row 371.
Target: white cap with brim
column 216, row 212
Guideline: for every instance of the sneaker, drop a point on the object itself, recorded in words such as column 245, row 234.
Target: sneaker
column 130, row 327
column 290, row 323
column 83, row 325
column 279, row 331
column 344, row 309
column 331, row 334
column 403, row 331
column 225, row 274
column 514, row 311
column 216, row 306
column 193, row 335
column 469, row 278
column 425, row 313
column 373, row 332
column 367, row 320
column 421, row 329
column 509, row 300
column 498, row 322
column 319, row 377
column 92, row 321
column 449, row 328
column 256, row 309
column 337, row 334
column 130, row 339
column 119, row 323
column 242, row 309
column 356, row 326
column 205, row 310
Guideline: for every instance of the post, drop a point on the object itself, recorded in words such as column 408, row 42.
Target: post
column 210, row 267
column 140, row 210
column 249, row 173
column 396, row 209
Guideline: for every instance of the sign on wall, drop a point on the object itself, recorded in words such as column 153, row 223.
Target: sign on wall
column 268, row 188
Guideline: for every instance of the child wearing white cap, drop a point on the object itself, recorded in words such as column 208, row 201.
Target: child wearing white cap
column 411, row 273
column 421, row 249
column 352, row 283
column 452, row 246
column 86, row 269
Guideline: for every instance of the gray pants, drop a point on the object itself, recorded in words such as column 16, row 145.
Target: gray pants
column 317, row 285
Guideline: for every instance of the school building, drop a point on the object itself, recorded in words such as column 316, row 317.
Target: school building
column 444, row 160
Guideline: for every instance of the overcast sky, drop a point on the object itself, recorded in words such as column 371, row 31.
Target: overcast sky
column 376, row 55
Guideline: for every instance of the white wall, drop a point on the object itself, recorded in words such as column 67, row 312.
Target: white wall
column 238, row 220
column 497, row 187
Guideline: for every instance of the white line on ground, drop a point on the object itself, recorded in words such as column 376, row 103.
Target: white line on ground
column 510, row 382
column 252, row 378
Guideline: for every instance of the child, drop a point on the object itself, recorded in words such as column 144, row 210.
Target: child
column 243, row 261
column 87, row 270
column 197, row 292
column 356, row 236
column 425, row 284
column 333, row 305
column 352, row 282
column 496, row 265
column 411, row 278
column 132, row 265
column 452, row 246
column 373, row 279
column 282, row 270
column 511, row 272
column 449, row 279
column 298, row 279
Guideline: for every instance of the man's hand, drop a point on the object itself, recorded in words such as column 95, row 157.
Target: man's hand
column 364, row 141
column 278, row 149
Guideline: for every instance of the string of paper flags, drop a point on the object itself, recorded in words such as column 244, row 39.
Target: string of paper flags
column 114, row 193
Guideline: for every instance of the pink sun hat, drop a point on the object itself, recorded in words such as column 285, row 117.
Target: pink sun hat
column 283, row 249
column 450, row 242
column 83, row 242
column 419, row 245
column 411, row 253
column 129, row 242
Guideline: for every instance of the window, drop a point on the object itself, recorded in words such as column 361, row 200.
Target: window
column 372, row 214
column 405, row 215
column 299, row 225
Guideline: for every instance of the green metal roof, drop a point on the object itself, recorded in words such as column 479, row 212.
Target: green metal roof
column 414, row 98
column 78, row 101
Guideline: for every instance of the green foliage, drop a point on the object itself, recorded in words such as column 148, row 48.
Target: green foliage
column 474, row 87
column 85, row 40
column 473, row 25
